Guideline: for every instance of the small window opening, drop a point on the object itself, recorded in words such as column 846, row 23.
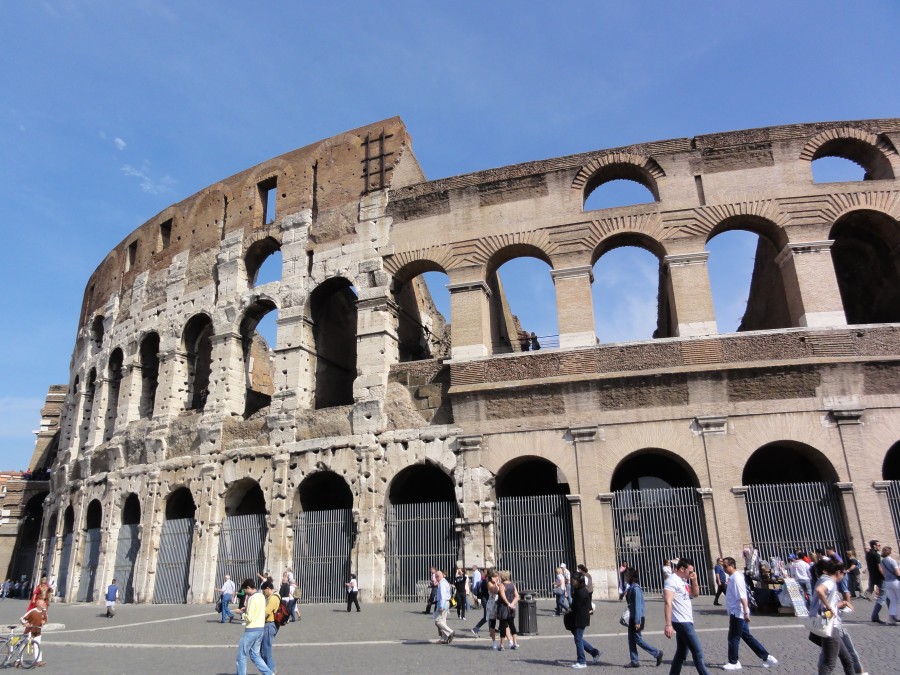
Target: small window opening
column 131, row 256
column 701, row 195
column 165, row 234
column 97, row 330
column 268, row 193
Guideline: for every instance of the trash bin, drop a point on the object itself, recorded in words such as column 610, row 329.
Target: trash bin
column 528, row 616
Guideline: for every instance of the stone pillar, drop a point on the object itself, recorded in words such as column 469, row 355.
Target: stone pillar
column 171, row 392
column 476, row 532
column 585, row 459
column 577, row 525
column 851, row 429
column 740, row 529
column 77, row 424
column 98, row 413
column 854, row 525
column 712, row 430
column 574, row 306
column 109, row 538
column 471, row 319
column 369, row 547
column 78, row 530
column 294, row 363
column 228, row 379
column 130, row 392
column 376, row 349
column 279, row 556
column 813, row 297
column 690, row 294
column 606, row 572
column 709, row 515
column 205, row 544
column 152, row 515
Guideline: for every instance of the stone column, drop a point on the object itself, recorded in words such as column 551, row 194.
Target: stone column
column 850, row 430
column 476, row 533
column 577, row 525
column 130, row 392
column 709, row 515
column 78, row 530
column 739, row 534
column 854, row 525
column 228, row 380
column 171, row 392
column 294, row 363
column 690, row 294
column 813, row 297
column 279, row 556
column 583, row 446
column 376, row 349
column 205, row 544
column 471, row 319
column 152, row 515
column 98, row 413
column 713, row 429
column 369, row 546
column 606, row 573
column 574, row 306
column 109, row 538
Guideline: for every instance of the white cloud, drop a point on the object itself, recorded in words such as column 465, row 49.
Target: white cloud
column 120, row 144
column 149, row 184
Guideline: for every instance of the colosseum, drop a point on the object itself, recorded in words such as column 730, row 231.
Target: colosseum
column 377, row 436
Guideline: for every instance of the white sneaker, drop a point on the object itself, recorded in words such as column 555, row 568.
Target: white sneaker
column 770, row 661
column 579, row 665
column 732, row 666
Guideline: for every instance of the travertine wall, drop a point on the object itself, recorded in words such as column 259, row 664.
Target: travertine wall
column 356, row 210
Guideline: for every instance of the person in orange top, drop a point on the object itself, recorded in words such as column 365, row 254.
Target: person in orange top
column 34, row 620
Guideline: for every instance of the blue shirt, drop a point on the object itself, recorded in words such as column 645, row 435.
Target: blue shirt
column 720, row 573
column 112, row 593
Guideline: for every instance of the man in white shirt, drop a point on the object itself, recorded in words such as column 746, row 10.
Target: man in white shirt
column 442, row 607
column 227, row 592
column 679, row 588
column 737, row 604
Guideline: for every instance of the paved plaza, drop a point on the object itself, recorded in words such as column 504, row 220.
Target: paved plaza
column 398, row 638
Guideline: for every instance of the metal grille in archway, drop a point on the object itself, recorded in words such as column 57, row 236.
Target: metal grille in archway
column 893, row 494
column 656, row 525
column 322, row 544
column 242, row 547
column 786, row 516
column 418, row 536
column 173, row 562
column 533, row 536
column 64, row 556
column 89, row 562
column 127, row 548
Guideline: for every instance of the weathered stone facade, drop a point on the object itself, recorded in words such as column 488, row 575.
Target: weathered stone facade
column 171, row 386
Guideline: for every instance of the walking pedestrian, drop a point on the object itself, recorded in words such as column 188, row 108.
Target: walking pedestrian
column 721, row 579
column 635, row 599
column 568, row 575
column 34, row 620
column 352, row 592
column 443, row 592
column 270, row 628
column 476, row 584
column 286, row 591
column 623, row 567
column 800, row 572
column 227, row 592
column 112, row 594
column 432, row 594
column 579, row 617
column 559, row 592
column 891, row 585
column 508, row 602
column 827, row 599
column 679, row 588
column 461, row 584
column 738, row 606
column 873, row 561
column 254, row 615
column 488, row 592
column 854, row 569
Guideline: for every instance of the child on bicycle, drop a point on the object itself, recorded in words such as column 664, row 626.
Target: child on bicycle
column 34, row 619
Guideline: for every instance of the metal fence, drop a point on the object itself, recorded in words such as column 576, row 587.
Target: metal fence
column 533, row 536
column 242, row 544
column 791, row 515
column 173, row 562
column 653, row 526
column 418, row 536
column 127, row 548
column 89, row 561
column 893, row 495
column 322, row 544
column 64, row 556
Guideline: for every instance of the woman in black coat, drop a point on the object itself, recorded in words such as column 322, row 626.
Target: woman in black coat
column 579, row 618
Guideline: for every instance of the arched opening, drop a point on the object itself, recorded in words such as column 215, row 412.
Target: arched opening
column 28, row 538
column 149, row 354
column 173, row 561
column 333, row 314
column 128, row 546
column 242, row 538
column 533, row 490
column 620, row 184
column 259, row 356
column 628, row 290
column 890, row 471
column 90, row 560
column 87, row 408
column 422, row 328
column 263, row 262
column 420, row 530
column 114, row 385
column 62, row 583
column 97, row 330
column 836, row 170
column 658, row 515
column 867, row 267
column 792, row 501
column 523, row 300
column 197, row 345
column 746, row 281
column 870, row 160
column 323, row 536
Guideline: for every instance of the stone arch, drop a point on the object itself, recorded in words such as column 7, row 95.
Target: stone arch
column 258, row 356
column 529, row 476
column 332, row 330
column 866, row 265
column 257, row 254
column 28, row 537
column 87, row 408
column 97, row 330
column 114, row 374
column 323, row 491
column 503, row 255
column 796, row 462
column 421, row 482
column 873, row 153
column 618, row 166
column 405, row 266
column 173, row 558
column 68, row 520
column 890, row 469
column 653, row 468
column 149, row 363
column 196, row 341
column 245, row 497
column 131, row 509
column 180, row 504
column 422, row 329
column 93, row 519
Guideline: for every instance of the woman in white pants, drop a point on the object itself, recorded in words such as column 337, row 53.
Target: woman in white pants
column 891, row 585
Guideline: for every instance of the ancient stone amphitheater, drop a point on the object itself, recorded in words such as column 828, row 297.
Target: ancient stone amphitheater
column 379, row 437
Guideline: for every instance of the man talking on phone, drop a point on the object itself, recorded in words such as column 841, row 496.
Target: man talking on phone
column 680, row 587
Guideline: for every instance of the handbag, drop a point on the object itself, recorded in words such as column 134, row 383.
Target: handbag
column 626, row 617
column 219, row 606
column 569, row 620
column 819, row 624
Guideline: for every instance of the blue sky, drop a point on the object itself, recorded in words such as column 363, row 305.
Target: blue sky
column 110, row 111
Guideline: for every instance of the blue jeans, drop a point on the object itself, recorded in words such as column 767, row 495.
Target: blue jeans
column 634, row 641
column 739, row 630
column 226, row 612
column 265, row 648
column 249, row 646
column 562, row 605
column 686, row 638
column 582, row 645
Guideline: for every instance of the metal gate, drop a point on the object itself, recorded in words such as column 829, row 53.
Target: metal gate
column 419, row 536
column 242, row 547
column 322, row 544
column 533, row 536
column 126, row 554
column 790, row 515
column 173, row 562
column 90, row 560
column 653, row 526
column 893, row 494
column 63, row 582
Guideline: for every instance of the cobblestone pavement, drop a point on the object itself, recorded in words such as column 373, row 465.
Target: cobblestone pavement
column 398, row 638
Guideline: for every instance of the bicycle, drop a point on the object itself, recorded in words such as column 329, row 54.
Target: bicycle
column 21, row 649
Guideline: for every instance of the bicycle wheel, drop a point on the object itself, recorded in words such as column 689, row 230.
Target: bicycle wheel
column 6, row 650
column 30, row 654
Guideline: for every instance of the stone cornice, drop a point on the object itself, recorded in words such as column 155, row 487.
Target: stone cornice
column 800, row 248
column 463, row 286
